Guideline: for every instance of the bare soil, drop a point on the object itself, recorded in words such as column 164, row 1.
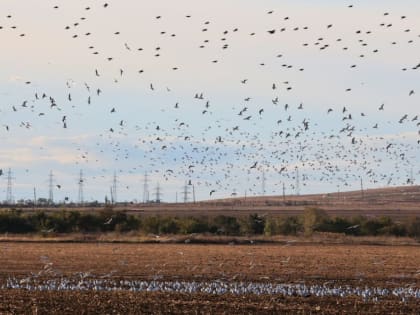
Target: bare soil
column 368, row 265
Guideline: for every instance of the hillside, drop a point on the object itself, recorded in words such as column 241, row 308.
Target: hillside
column 391, row 201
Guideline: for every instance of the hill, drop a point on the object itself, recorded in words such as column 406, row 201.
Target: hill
column 391, row 201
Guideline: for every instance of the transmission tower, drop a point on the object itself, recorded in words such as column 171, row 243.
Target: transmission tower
column 81, row 184
column 186, row 192
column 51, row 188
column 9, row 194
column 193, row 187
column 263, row 180
column 114, row 189
column 146, row 189
column 284, row 193
column 297, row 182
column 34, row 196
column 158, row 194
column 361, row 188
column 411, row 177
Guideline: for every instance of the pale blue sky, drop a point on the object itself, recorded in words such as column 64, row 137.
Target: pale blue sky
column 187, row 140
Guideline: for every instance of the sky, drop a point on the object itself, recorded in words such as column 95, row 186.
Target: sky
column 232, row 97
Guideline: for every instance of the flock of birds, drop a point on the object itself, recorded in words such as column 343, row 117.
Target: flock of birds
column 278, row 137
column 216, row 287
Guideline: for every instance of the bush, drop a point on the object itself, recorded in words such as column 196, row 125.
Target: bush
column 14, row 222
column 193, row 225
column 290, row 225
column 313, row 219
column 413, row 228
column 225, row 225
column 335, row 225
column 160, row 225
column 89, row 223
column 256, row 224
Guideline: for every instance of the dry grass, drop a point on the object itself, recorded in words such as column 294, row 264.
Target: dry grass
column 139, row 238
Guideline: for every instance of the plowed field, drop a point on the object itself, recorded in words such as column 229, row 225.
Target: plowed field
column 330, row 265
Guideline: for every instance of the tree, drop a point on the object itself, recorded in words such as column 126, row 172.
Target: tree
column 312, row 219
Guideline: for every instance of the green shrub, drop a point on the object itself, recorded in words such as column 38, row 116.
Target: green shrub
column 413, row 228
column 14, row 222
column 313, row 219
column 225, row 225
column 290, row 225
column 193, row 225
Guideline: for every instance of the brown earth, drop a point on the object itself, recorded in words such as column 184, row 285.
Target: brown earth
column 384, row 266
column 395, row 202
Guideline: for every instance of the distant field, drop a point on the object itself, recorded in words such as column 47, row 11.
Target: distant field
column 395, row 202
column 328, row 265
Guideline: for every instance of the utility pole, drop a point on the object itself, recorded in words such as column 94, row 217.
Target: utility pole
column 81, row 184
column 176, row 197
column 9, row 194
column 51, row 188
column 146, row 188
column 193, row 187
